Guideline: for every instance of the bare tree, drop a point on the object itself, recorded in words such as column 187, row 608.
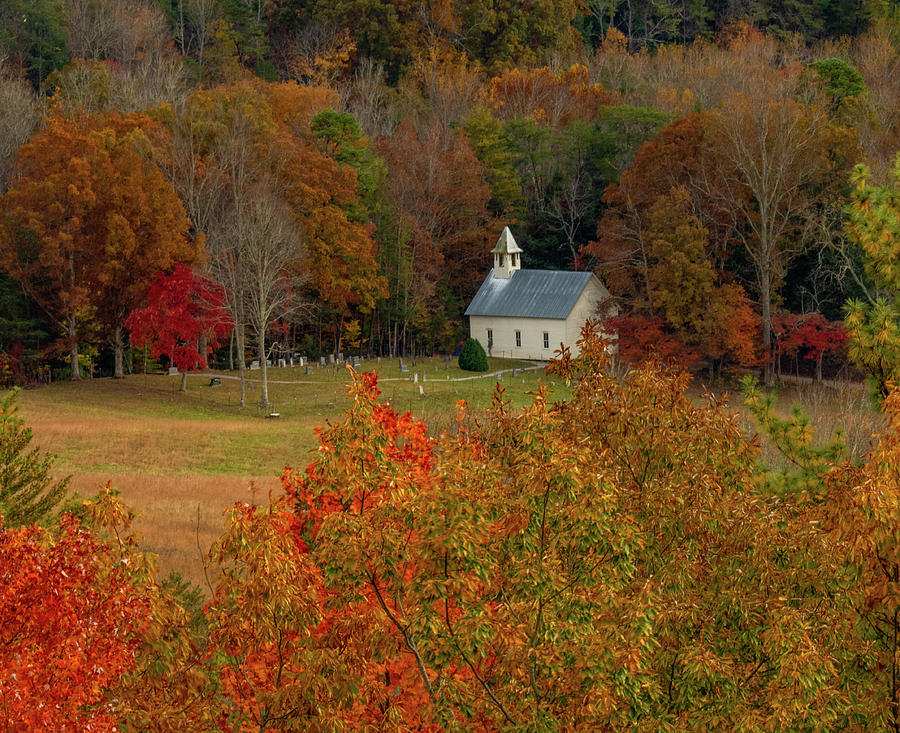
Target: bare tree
column 268, row 247
column 368, row 98
column 18, row 119
column 768, row 153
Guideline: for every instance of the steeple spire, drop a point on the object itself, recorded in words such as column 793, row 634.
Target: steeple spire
column 506, row 255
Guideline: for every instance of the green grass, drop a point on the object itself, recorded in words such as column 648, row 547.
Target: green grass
column 145, row 424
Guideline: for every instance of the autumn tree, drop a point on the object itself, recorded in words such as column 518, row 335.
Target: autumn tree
column 442, row 223
column 475, row 554
column 71, row 625
column 184, row 319
column 861, row 514
column 546, row 98
column 84, row 233
column 249, row 137
column 772, row 170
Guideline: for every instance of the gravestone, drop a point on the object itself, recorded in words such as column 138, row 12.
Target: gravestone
column 356, row 361
column 173, row 371
column 301, row 361
column 416, row 378
column 424, row 377
column 421, row 391
column 283, row 363
column 403, row 368
column 331, row 358
column 309, row 369
column 321, row 361
column 254, row 364
column 215, row 382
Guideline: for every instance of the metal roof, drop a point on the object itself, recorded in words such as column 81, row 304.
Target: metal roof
column 529, row 294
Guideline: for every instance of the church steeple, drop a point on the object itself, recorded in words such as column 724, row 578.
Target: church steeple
column 506, row 255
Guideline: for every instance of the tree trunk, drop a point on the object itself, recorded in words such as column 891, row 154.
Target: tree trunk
column 263, row 372
column 119, row 353
column 242, row 366
column 765, row 303
column 202, row 348
column 183, row 387
column 231, row 351
column 73, row 348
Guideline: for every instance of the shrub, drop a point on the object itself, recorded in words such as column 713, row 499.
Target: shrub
column 472, row 357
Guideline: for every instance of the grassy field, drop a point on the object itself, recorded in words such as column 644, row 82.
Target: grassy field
column 180, row 459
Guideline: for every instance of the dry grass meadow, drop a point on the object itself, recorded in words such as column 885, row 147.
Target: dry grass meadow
column 180, row 459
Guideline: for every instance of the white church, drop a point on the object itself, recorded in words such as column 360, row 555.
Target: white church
column 527, row 314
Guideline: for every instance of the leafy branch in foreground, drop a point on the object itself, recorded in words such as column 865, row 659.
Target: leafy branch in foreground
column 794, row 438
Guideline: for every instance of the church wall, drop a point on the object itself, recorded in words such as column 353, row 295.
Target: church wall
column 532, row 336
column 585, row 307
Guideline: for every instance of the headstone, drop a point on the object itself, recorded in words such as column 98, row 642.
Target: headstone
column 515, row 372
column 416, row 378
column 356, row 361
column 309, row 369
column 424, row 377
column 404, row 368
column 340, row 356
column 301, row 361
column 291, row 361
column 254, row 364
column 215, row 382
column 421, row 391
column 321, row 361
column 268, row 362
column 283, row 363
column 173, row 371
column 331, row 358
column 273, row 415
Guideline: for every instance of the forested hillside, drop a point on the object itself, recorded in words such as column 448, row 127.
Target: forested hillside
column 339, row 169
column 237, row 180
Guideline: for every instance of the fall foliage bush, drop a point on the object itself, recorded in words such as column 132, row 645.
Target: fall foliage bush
column 472, row 357
column 616, row 560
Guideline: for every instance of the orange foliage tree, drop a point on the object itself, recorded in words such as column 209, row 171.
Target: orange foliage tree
column 253, row 140
column 570, row 565
column 89, row 639
column 547, row 98
column 89, row 222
